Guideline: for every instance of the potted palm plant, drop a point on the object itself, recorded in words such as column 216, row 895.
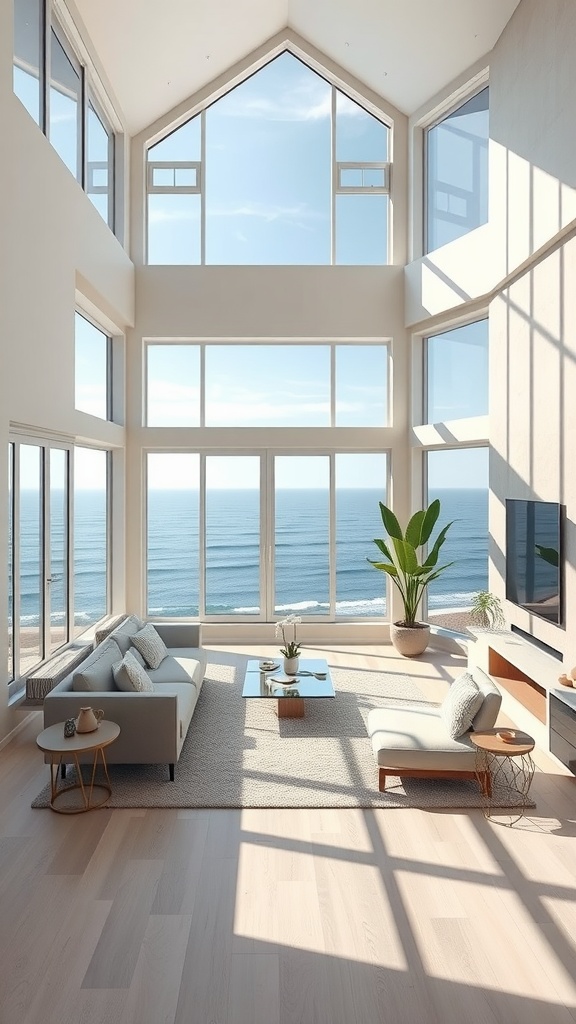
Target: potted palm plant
column 409, row 573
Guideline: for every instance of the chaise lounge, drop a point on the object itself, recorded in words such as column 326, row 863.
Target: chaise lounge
column 417, row 740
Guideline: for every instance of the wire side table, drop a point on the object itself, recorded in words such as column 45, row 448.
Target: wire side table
column 53, row 742
column 509, row 763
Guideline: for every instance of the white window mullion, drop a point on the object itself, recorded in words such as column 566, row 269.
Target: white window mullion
column 202, row 539
column 332, row 536
column 46, row 552
column 203, row 188
column 17, row 596
column 334, row 179
column 202, row 385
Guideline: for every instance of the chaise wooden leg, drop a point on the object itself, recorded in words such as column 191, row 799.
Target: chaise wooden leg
column 381, row 779
column 171, row 769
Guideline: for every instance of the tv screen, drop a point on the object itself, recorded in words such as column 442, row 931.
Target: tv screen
column 534, row 557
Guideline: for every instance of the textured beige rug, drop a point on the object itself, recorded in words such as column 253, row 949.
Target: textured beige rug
column 239, row 754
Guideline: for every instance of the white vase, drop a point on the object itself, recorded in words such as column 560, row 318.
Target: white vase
column 291, row 666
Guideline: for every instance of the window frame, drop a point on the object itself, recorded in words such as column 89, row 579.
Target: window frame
column 266, row 540
column 452, row 105
column 425, row 366
column 335, row 187
column 109, row 374
column 17, row 679
column 55, row 19
column 332, row 344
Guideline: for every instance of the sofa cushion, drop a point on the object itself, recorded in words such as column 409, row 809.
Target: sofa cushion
column 95, row 673
column 192, row 660
column 131, row 676
column 461, row 704
column 414, row 736
column 151, row 645
column 172, row 670
column 123, row 633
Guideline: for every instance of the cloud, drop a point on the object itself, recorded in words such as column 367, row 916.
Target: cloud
column 298, row 214
column 306, row 99
column 156, row 216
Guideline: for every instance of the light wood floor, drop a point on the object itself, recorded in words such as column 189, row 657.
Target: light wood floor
column 286, row 916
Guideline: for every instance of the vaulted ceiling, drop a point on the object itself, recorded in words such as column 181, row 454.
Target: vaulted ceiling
column 156, row 55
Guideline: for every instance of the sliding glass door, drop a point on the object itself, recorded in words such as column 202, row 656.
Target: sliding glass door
column 58, row 548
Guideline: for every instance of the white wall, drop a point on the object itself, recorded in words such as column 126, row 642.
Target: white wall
column 524, row 263
column 52, row 242
column 533, row 322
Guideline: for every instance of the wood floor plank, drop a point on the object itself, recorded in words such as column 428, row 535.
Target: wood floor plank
column 254, row 993
column 177, row 887
column 153, row 994
column 125, row 927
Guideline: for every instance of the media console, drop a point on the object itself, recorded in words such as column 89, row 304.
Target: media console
column 528, row 678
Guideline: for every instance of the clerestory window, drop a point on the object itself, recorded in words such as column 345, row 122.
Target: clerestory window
column 58, row 90
column 457, row 172
column 283, row 169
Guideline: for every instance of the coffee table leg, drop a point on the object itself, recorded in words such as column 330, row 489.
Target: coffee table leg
column 290, row 707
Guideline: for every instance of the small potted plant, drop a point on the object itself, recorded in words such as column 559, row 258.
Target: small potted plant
column 408, row 574
column 286, row 628
column 486, row 611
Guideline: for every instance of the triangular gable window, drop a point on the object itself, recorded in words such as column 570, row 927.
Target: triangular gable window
column 283, row 169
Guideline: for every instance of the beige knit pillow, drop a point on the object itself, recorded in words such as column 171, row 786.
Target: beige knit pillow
column 151, row 645
column 461, row 704
column 131, row 676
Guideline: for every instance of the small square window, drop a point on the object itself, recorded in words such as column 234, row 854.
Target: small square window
column 162, row 176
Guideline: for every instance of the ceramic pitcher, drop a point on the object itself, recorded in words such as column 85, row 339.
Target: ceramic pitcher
column 88, row 720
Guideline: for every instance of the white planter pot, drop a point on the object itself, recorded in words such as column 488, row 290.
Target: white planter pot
column 410, row 641
column 291, row 666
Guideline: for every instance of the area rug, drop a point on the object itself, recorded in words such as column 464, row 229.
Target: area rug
column 238, row 753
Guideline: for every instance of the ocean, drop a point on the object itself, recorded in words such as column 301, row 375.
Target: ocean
column 233, row 554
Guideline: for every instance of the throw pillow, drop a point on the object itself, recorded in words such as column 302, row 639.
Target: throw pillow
column 151, row 645
column 131, row 676
column 123, row 633
column 460, row 705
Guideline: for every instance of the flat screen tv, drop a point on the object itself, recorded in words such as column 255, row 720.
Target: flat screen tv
column 534, row 560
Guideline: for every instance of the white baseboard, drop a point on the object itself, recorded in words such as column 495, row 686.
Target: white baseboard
column 17, row 728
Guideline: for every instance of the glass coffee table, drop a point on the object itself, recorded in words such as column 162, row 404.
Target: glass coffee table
column 290, row 695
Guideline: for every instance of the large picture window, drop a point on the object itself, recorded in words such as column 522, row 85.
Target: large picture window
column 256, row 536
column 283, row 169
column 457, row 172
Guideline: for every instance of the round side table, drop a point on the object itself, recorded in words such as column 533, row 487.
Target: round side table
column 53, row 742
column 507, row 761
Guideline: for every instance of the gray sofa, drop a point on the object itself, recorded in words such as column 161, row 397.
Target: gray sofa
column 153, row 725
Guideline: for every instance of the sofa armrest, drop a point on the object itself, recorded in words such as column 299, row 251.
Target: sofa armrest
column 179, row 634
column 149, row 728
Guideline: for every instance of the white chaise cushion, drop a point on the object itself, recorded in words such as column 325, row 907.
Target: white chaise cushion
column 460, row 705
column 151, row 645
column 414, row 736
column 131, row 676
